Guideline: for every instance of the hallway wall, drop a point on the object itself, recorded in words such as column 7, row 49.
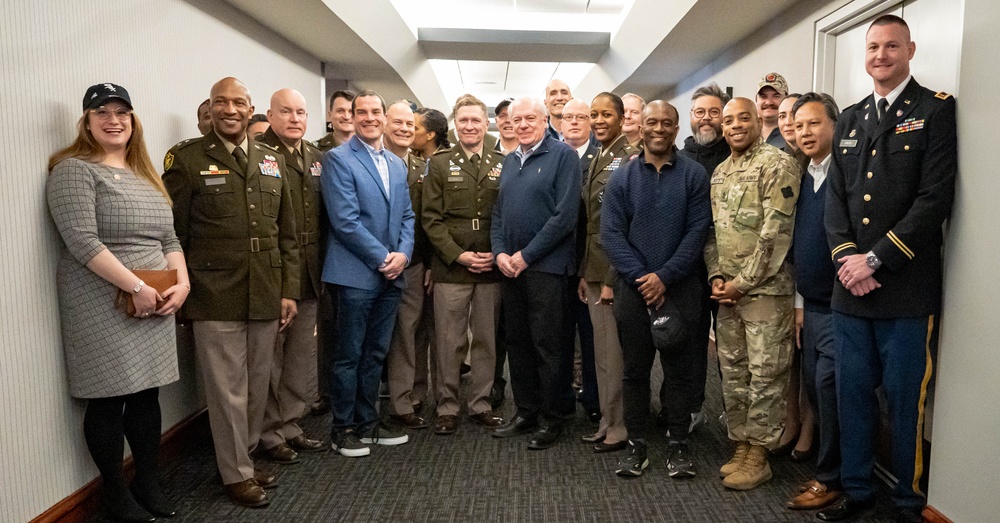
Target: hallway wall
column 167, row 54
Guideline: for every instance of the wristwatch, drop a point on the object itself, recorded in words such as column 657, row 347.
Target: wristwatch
column 872, row 261
column 138, row 287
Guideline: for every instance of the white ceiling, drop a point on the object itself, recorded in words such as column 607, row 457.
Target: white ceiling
column 653, row 44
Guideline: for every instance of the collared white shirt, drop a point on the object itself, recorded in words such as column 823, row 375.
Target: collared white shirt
column 522, row 156
column 893, row 94
column 378, row 156
column 818, row 172
column 582, row 150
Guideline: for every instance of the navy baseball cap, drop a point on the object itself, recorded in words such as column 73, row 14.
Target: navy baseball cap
column 98, row 95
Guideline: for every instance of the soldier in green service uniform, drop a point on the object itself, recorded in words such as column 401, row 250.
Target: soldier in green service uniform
column 234, row 219
column 459, row 192
column 753, row 206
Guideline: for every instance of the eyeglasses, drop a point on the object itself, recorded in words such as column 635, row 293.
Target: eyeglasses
column 701, row 112
column 575, row 117
column 105, row 114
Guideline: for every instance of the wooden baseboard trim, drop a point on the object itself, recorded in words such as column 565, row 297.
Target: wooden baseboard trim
column 932, row 515
column 80, row 505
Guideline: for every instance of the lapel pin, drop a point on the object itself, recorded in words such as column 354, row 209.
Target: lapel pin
column 899, row 113
column 853, row 132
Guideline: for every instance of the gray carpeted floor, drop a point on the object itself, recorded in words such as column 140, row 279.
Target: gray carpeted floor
column 472, row 477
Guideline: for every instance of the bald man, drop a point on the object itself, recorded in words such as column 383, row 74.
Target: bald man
column 234, row 219
column 295, row 348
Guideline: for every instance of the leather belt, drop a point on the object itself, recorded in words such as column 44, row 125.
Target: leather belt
column 474, row 224
column 233, row 244
column 307, row 238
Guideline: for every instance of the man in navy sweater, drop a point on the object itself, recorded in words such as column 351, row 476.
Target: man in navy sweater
column 655, row 220
column 815, row 116
column 532, row 238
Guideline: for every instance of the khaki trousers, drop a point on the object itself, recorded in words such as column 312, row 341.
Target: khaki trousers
column 459, row 308
column 290, row 391
column 608, row 362
column 408, row 353
column 235, row 361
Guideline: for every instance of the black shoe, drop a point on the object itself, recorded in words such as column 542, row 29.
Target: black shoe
column 545, row 437
column 153, row 500
column 679, row 465
column 846, row 508
column 909, row 515
column 319, row 407
column 515, row 427
column 121, row 506
column 594, row 415
column 634, row 461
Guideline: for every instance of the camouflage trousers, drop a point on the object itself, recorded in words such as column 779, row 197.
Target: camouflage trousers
column 755, row 341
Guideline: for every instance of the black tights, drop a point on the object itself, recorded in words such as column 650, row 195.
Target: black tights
column 106, row 424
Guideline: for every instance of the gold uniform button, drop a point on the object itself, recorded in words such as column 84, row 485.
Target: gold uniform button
column 307, row 204
column 906, row 147
column 216, row 190
column 873, row 152
column 274, row 190
column 845, row 151
column 254, row 224
column 868, row 197
column 252, row 206
column 249, row 189
column 870, row 175
column 865, row 221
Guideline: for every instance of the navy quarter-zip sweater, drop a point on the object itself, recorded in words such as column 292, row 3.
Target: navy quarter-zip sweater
column 813, row 269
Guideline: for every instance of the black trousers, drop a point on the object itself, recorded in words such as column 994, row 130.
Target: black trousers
column 638, row 353
column 539, row 334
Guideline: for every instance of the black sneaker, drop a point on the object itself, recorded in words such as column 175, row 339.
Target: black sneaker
column 634, row 460
column 680, row 465
column 348, row 445
column 381, row 434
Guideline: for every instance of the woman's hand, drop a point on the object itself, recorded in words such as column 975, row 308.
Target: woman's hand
column 175, row 297
column 145, row 301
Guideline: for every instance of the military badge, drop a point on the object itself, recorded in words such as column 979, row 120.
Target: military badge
column 269, row 167
column 853, row 133
column 616, row 163
column 910, row 124
column 316, row 169
column 787, row 192
column 168, row 161
column 633, row 157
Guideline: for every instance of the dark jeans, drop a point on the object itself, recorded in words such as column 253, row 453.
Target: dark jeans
column 326, row 326
column 364, row 322
column 896, row 355
column 819, row 374
column 638, row 353
column 540, row 345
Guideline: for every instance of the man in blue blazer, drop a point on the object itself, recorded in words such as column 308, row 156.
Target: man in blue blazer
column 371, row 241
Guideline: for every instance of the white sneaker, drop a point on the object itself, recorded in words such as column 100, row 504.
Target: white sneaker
column 348, row 445
column 380, row 434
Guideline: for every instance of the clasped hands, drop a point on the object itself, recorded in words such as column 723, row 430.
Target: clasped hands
column 393, row 265
column 725, row 292
column 856, row 276
column 476, row 262
column 511, row 266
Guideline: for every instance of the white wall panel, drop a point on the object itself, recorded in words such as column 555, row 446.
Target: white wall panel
column 167, row 54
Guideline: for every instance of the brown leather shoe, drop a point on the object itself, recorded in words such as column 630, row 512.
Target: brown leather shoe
column 265, row 479
column 410, row 421
column 301, row 443
column 283, row 454
column 817, row 496
column 487, row 419
column 446, row 424
column 247, row 493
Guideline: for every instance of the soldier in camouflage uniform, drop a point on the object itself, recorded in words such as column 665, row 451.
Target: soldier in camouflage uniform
column 753, row 205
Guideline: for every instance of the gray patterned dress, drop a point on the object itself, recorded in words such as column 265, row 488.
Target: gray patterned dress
column 95, row 207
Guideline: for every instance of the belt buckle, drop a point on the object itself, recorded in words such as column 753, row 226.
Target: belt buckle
column 303, row 238
column 254, row 244
column 475, row 224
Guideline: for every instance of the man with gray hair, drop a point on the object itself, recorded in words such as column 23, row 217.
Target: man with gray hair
column 534, row 218
column 631, row 127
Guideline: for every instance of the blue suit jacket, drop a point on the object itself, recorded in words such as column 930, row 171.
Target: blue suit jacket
column 365, row 224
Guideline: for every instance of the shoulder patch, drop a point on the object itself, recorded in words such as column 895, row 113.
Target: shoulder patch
column 633, row 156
column 168, row 161
column 787, row 191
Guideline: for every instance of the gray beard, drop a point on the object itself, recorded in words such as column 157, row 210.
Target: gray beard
column 707, row 137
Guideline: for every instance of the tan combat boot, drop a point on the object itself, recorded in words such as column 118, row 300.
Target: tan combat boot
column 734, row 464
column 754, row 471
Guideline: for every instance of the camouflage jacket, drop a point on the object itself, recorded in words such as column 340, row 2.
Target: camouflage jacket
column 753, row 207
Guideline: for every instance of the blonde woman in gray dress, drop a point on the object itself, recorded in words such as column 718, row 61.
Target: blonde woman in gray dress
column 113, row 215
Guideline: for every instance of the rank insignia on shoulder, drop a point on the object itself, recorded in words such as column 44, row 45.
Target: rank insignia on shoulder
column 787, row 192
column 942, row 95
column 168, row 161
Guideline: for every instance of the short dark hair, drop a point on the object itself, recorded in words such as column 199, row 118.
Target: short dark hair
column 711, row 89
column 616, row 101
column 829, row 105
column 346, row 94
column 889, row 20
column 257, row 118
column 436, row 122
column 366, row 93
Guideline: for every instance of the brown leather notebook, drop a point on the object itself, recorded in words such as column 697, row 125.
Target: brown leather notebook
column 158, row 280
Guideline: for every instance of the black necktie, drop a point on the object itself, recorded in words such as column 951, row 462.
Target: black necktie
column 883, row 106
column 475, row 162
column 241, row 158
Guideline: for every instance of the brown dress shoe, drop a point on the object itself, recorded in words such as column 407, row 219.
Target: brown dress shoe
column 817, row 496
column 487, row 419
column 265, row 479
column 446, row 424
column 301, row 443
column 247, row 493
column 410, row 421
column 283, row 454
